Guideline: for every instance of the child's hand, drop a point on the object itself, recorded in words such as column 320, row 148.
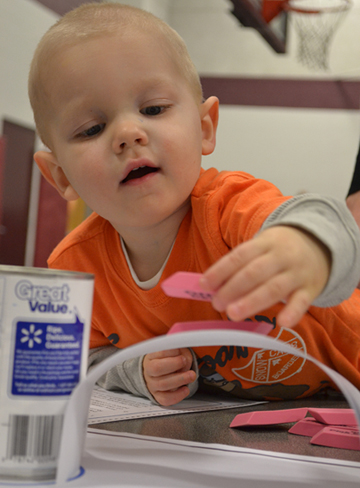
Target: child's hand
column 167, row 373
column 282, row 263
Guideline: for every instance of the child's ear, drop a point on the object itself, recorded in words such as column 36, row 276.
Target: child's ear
column 54, row 174
column 209, row 111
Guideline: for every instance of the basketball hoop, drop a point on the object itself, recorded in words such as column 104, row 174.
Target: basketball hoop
column 316, row 22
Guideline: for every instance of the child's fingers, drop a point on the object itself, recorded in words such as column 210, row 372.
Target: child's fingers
column 264, row 296
column 188, row 357
column 164, row 365
column 252, row 275
column 282, row 263
column 167, row 376
column 167, row 398
column 164, row 354
column 297, row 305
column 234, row 260
column 170, row 389
column 170, row 382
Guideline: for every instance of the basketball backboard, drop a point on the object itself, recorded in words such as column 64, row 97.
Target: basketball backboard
column 267, row 17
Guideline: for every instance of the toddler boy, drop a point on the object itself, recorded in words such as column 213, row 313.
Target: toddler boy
column 118, row 102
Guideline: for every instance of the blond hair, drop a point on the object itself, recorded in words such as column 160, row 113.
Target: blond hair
column 93, row 20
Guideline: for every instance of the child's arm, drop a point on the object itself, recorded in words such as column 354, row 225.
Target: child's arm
column 290, row 261
column 129, row 376
column 167, row 375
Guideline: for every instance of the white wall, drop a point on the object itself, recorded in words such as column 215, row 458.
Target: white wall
column 22, row 23
column 297, row 149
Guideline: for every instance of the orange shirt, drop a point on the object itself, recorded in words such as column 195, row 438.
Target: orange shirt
column 227, row 208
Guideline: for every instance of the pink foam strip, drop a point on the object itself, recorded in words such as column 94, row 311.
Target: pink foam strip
column 257, row 327
column 341, row 437
column 269, row 417
column 185, row 285
column 334, row 416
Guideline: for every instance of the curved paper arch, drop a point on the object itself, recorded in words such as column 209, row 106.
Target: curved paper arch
column 75, row 420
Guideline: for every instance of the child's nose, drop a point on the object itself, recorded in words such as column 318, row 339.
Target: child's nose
column 128, row 134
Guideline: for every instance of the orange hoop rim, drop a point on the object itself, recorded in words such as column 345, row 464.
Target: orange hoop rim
column 343, row 5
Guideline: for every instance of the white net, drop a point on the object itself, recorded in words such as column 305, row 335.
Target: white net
column 316, row 22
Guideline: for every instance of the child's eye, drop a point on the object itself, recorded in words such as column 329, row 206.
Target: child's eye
column 92, row 131
column 152, row 110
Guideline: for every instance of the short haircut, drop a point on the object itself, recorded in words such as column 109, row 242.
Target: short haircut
column 93, row 20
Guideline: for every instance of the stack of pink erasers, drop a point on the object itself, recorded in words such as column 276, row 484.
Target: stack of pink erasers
column 332, row 427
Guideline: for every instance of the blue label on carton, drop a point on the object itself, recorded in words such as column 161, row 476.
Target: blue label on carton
column 47, row 358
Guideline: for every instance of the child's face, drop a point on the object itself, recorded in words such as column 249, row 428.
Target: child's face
column 127, row 133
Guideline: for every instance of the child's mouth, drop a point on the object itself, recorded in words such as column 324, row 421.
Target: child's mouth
column 139, row 173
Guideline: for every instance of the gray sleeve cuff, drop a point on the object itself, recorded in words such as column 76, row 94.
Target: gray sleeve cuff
column 331, row 222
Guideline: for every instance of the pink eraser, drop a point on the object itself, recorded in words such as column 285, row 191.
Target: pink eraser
column 307, row 427
column 256, row 327
column 185, row 285
column 269, row 417
column 334, row 416
column 341, row 437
